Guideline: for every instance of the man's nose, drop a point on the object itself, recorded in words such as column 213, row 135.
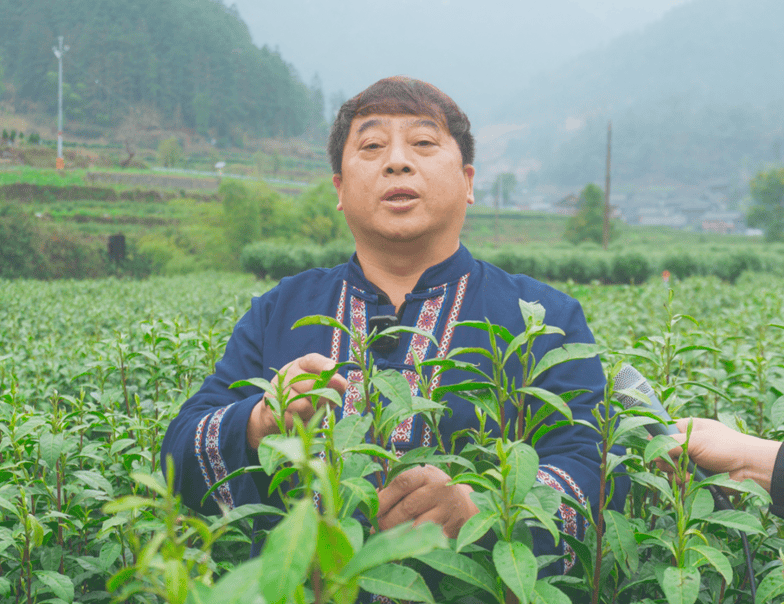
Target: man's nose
column 398, row 161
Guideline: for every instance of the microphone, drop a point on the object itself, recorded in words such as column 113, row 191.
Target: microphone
column 629, row 378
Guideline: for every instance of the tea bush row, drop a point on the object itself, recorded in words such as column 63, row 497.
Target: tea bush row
column 277, row 260
column 92, row 371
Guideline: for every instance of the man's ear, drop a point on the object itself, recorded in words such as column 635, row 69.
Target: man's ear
column 469, row 172
column 337, row 180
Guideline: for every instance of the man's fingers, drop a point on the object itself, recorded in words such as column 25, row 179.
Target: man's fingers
column 339, row 383
column 402, row 485
column 411, row 507
column 314, row 363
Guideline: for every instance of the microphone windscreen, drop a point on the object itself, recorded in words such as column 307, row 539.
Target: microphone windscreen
column 628, row 378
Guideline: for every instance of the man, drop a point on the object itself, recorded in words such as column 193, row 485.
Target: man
column 401, row 153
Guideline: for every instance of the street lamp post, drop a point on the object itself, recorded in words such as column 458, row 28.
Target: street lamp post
column 59, row 52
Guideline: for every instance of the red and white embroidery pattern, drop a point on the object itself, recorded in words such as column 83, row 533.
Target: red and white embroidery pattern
column 337, row 333
column 427, row 436
column 454, row 313
column 353, row 392
column 199, row 453
column 568, row 515
column 427, row 321
column 570, row 481
column 212, row 449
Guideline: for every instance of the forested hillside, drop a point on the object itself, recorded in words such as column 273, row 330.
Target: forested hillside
column 692, row 97
column 191, row 61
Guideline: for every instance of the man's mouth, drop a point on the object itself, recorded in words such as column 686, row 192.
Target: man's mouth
column 400, row 195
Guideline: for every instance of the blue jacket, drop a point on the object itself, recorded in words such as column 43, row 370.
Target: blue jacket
column 207, row 438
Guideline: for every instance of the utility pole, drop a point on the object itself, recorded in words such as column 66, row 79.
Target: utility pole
column 59, row 52
column 498, row 194
column 606, row 229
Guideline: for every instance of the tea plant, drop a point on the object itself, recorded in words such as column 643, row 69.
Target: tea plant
column 91, row 373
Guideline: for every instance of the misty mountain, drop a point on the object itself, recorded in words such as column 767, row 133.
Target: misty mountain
column 697, row 95
column 192, row 62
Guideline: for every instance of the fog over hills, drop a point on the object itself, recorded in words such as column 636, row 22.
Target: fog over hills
column 478, row 53
column 692, row 86
column 695, row 96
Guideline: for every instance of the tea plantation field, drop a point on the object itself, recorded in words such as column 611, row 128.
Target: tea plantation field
column 91, row 373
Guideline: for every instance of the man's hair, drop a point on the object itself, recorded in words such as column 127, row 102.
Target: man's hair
column 401, row 95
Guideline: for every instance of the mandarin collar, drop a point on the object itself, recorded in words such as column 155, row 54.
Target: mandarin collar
column 448, row 271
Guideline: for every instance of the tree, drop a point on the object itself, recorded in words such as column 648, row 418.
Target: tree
column 507, row 183
column 169, row 152
column 319, row 218
column 588, row 223
column 767, row 213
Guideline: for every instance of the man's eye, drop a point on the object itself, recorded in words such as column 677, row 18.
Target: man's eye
column 424, row 143
column 372, row 146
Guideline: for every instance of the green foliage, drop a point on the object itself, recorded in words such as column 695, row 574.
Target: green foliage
column 630, row 268
column 767, row 213
column 588, row 223
column 319, row 219
column 30, row 250
column 192, row 61
column 91, row 373
column 169, row 152
column 503, row 187
column 253, row 211
column 277, row 260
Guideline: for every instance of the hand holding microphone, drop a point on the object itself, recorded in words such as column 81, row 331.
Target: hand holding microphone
column 713, row 446
column 628, row 378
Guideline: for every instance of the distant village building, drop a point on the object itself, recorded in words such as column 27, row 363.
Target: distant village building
column 661, row 217
column 724, row 223
column 567, row 206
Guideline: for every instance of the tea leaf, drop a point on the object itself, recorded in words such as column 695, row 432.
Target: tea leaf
column 398, row 543
column 620, row 536
column 60, row 585
column 395, row 581
column 680, row 585
column 288, row 552
column 475, row 528
column 461, row 567
column 516, row 565
column 544, row 593
column 350, row 430
column 718, row 560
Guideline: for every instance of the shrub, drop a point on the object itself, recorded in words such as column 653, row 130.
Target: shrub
column 20, row 245
column 275, row 260
column 730, row 266
column 630, row 268
column 681, row 265
column 169, row 152
column 513, row 262
column 582, row 269
column 32, row 251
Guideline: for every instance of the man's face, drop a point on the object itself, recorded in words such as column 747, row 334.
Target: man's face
column 403, row 181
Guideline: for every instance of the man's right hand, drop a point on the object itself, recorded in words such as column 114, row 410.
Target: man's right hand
column 262, row 422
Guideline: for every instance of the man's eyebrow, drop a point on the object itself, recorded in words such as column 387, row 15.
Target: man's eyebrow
column 426, row 122
column 369, row 124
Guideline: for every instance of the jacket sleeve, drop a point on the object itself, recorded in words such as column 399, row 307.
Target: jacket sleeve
column 569, row 456
column 777, row 485
column 207, row 439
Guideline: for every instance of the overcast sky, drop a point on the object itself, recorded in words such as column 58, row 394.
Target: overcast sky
column 480, row 57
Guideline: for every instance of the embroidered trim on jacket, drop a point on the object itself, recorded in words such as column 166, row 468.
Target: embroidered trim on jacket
column 568, row 516
column 211, row 447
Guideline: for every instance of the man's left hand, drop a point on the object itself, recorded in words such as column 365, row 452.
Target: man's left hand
column 422, row 494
